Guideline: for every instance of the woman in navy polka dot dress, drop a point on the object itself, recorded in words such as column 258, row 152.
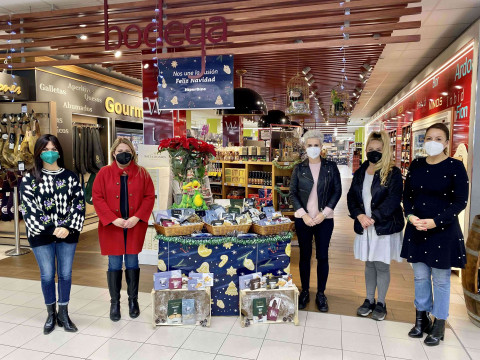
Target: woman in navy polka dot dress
column 436, row 191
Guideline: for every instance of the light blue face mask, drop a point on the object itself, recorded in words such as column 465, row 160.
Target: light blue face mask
column 50, row 156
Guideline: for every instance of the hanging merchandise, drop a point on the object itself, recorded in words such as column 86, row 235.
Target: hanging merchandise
column 9, row 146
column 90, row 163
column 83, row 169
column 97, row 150
column 3, row 139
column 76, row 150
column 19, row 136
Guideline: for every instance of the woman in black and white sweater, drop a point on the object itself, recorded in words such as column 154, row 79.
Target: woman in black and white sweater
column 53, row 209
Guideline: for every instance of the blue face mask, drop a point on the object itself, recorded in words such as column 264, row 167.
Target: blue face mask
column 49, row 156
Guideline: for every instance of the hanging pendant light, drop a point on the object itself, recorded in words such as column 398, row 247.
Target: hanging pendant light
column 247, row 101
column 274, row 117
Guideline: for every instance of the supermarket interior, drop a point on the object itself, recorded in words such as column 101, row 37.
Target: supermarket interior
column 245, row 116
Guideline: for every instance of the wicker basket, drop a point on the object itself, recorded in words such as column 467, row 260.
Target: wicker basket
column 225, row 229
column 272, row 229
column 178, row 230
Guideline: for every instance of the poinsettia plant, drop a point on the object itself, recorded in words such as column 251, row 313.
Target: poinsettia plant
column 187, row 154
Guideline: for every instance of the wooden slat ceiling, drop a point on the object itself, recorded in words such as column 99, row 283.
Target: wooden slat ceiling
column 271, row 39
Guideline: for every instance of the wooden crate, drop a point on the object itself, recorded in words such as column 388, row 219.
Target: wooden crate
column 160, row 300
column 246, row 296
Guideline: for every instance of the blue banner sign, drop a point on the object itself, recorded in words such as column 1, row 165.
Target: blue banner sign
column 178, row 91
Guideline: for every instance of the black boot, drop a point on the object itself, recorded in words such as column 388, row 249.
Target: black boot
column 322, row 302
column 51, row 319
column 114, row 280
column 437, row 333
column 132, row 276
column 64, row 320
column 423, row 324
column 303, row 299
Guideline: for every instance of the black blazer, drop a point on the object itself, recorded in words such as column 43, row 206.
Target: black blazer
column 386, row 201
column 329, row 186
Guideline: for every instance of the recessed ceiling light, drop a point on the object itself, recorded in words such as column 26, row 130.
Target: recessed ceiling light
column 83, row 37
column 83, row 25
column 118, row 53
column 146, row 66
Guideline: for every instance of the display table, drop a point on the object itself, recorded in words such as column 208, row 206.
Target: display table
column 227, row 258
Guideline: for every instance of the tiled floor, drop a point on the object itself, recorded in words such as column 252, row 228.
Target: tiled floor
column 319, row 336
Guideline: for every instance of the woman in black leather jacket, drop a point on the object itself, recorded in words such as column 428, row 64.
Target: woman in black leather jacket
column 374, row 203
column 315, row 190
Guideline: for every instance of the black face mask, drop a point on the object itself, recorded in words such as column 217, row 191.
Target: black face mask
column 123, row 158
column 374, row 156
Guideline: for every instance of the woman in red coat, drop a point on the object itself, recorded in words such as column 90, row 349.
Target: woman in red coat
column 123, row 197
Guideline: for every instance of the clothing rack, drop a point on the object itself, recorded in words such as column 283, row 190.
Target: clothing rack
column 95, row 126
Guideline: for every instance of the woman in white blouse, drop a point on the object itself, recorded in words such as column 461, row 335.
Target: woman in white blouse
column 374, row 203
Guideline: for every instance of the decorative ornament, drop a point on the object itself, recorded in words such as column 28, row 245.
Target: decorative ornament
column 164, row 83
column 287, row 269
column 248, row 263
column 224, row 259
column 161, row 265
column 174, row 100
column 220, row 240
column 288, row 249
column 231, row 271
column 174, row 64
column 228, row 245
column 298, row 96
column 232, row 289
column 204, row 268
column 286, row 167
column 220, row 304
column 203, row 251
column 227, row 69
column 269, row 275
column 219, row 100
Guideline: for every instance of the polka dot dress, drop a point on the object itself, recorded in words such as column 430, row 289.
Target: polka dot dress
column 438, row 192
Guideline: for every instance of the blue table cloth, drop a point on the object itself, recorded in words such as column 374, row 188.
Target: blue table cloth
column 227, row 258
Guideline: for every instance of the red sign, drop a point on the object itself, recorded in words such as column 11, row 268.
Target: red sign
column 155, row 34
column 447, row 88
column 232, row 131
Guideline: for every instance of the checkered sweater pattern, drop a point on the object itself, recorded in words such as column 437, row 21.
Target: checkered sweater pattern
column 56, row 201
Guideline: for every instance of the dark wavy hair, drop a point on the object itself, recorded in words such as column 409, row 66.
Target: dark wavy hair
column 41, row 143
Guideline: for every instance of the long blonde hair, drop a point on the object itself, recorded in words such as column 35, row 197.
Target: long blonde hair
column 386, row 164
column 127, row 142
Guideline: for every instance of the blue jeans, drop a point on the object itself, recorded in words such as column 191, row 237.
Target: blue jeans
column 439, row 302
column 115, row 262
column 60, row 254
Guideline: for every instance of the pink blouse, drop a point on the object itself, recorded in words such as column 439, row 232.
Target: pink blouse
column 312, row 204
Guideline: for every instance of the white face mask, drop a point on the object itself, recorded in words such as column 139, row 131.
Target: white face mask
column 433, row 148
column 313, row 152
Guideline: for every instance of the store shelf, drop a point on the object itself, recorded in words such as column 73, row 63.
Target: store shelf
column 288, row 213
column 260, row 187
column 236, row 185
column 244, row 162
column 215, row 183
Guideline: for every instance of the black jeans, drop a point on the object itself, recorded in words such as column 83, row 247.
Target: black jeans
column 322, row 233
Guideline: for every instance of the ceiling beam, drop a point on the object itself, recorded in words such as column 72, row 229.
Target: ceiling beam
column 234, row 51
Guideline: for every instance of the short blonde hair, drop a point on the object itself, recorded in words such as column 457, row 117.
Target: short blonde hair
column 312, row 134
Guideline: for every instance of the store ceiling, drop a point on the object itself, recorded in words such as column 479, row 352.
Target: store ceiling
column 271, row 39
column 442, row 22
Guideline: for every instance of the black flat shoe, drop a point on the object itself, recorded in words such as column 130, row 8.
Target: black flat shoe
column 423, row 324
column 437, row 334
column 303, row 299
column 322, row 302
